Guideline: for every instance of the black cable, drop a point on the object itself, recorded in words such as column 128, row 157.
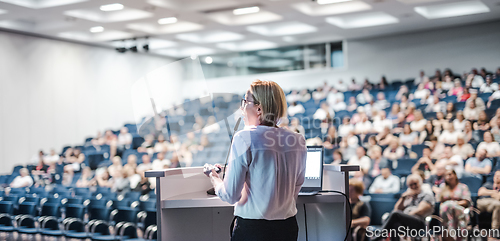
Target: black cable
column 350, row 211
column 305, row 222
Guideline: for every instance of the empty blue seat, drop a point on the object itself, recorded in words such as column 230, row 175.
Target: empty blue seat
column 379, row 207
column 474, row 183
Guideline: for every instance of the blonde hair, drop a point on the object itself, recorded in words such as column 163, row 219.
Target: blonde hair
column 271, row 98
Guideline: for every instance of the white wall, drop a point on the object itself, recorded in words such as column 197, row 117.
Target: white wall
column 398, row 57
column 54, row 93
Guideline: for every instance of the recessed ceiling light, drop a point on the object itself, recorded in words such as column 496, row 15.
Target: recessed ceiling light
column 241, row 11
column 448, row 10
column 331, row 1
column 167, row 20
column 283, row 28
column 111, row 7
column 208, row 60
column 96, row 29
column 362, row 20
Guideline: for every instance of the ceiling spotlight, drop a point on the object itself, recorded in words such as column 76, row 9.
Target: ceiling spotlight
column 111, row 7
column 133, row 49
column 331, row 1
column 193, row 56
column 167, row 20
column 96, row 29
column 241, row 11
column 146, row 47
column 208, row 60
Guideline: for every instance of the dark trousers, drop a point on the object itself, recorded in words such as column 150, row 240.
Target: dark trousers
column 398, row 218
column 265, row 230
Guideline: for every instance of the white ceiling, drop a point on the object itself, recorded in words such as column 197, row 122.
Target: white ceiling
column 209, row 26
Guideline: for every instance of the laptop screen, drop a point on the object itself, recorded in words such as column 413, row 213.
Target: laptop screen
column 314, row 169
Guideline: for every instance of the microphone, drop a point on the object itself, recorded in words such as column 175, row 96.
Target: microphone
column 211, row 191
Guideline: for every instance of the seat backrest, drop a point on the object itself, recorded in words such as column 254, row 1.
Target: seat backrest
column 6, row 207
column 474, row 183
column 11, row 198
column 150, row 218
column 99, row 213
column 50, row 210
column 379, row 207
column 28, row 208
column 75, row 211
column 32, row 199
column 125, row 215
column 74, row 200
column 148, row 204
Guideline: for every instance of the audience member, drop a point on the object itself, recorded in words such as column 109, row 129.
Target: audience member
column 324, row 113
column 334, row 97
column 479, row 165
column 293, row 97
column 144, row 187
column 105, row 180
column 425, row 163
column 53, row 157
column 337, row 158
column 295, row 108
column 459, row 122
column 385, row 183
column 346, row 127
column 408, row 137
column 124, row 138
column 361, row 159
column 86, row 179
column 381, row 122
column 418, row 123
column 121, row 183
column 464, row 150
column 378, row 161
column 489, row 86
column 489, row 200
column 490, row 145
column 435, row 180
column 304, row 95
column 457, row 89
column 161, row 145
column 451, row 161
column 482, row 123
column 412, row 208
column 146, row 163
column 454, row 198
column 449, row 136
column 364, row 97
column 23, row 180
column 332, row 140
column 354, row 86
column 422, row 78
column 394, row 151
column 361, row 211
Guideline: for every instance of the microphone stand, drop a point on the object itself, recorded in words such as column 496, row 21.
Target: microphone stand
column 211, row 191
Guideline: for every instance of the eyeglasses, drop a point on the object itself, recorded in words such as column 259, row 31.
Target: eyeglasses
column 244, row 102
column 414, row 184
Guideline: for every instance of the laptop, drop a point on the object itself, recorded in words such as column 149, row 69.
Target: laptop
column 313, row 182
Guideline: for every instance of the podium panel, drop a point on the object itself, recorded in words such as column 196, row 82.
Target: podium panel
column 188, row 213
